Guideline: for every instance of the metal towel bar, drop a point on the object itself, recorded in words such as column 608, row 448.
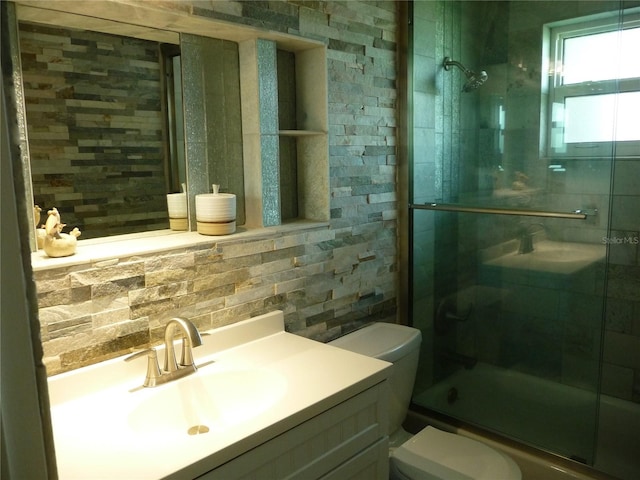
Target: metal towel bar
column 449, row 207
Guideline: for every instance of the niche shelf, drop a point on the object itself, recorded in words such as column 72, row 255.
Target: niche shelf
column 300, row 133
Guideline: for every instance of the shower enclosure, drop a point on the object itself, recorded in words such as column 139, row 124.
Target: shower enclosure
column 524, row 224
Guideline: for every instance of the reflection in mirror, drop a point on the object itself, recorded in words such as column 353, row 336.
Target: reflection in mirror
column 213, row 133
column 105, row 139
column 175, row 116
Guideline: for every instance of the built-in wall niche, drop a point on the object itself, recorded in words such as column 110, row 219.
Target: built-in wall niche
column 302, row 134
column 285, row 127
column 287, row 121
column 296, row 174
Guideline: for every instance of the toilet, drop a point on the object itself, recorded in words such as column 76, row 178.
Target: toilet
column 431, row 454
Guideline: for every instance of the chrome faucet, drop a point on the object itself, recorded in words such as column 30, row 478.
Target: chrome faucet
column 172, row 369
column 190, row 338
column 526, row 237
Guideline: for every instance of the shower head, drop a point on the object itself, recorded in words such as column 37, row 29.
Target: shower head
column 474, row 80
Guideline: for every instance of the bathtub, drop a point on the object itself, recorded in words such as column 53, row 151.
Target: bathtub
column 617, row 451
column 559, row 418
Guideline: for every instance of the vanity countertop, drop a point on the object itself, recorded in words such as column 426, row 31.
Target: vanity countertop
column 99, row 412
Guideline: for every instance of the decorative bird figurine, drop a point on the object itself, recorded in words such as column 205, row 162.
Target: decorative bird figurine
column 56, row 243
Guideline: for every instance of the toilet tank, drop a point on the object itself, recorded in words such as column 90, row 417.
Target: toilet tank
column 397, row 344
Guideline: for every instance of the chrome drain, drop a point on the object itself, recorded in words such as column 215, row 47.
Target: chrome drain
column 198, row 430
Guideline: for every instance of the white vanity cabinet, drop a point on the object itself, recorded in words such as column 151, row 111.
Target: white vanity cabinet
column 347, row 441
column 275, row 405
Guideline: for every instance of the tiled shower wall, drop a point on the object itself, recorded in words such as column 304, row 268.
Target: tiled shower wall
column 326, row 280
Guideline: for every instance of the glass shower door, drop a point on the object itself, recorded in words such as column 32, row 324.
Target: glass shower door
column 513, row 344
column 508, row 221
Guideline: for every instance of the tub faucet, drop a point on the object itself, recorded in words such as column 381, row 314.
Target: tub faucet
column 526, row 237
column 172, row 370
column 449, row 356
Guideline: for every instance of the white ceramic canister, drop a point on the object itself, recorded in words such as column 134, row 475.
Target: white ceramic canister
column 216, row 212
column 177, row 206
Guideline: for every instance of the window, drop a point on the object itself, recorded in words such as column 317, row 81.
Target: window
column 594, row 86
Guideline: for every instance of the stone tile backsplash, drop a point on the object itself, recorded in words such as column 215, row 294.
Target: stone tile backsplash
column 99, row 310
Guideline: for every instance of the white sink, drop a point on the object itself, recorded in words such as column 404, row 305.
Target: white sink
column 210, row 401
column 254, row 382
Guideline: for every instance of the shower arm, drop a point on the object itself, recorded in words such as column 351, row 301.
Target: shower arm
column 448, row 63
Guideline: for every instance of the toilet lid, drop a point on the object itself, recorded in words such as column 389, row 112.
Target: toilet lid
column 434, row 454
column 385, row 341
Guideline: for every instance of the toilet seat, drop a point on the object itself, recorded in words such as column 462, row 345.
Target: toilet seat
column 433, row 454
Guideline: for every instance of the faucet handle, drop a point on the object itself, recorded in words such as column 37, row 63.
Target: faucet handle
column 186, row 358
column 153, row 369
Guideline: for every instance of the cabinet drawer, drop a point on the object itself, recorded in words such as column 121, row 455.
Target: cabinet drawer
column 370, row 464
column 317, row 446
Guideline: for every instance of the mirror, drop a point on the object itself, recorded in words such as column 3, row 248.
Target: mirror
column 102, row 106
column 222, row 142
